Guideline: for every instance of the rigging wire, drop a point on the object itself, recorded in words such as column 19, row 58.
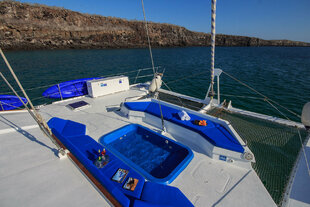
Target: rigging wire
column 151, row 55
column 122, row 73
column 148, row 38
column 249, row 97
column 6, row 104
column 30, row 112
column 176, row 96
column 267, row 99
column 16, row 79
column 186, row 77
column 35, row 115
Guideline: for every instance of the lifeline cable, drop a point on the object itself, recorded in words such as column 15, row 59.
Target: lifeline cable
column 148, row 38
column 151, row 55
column 35, row 115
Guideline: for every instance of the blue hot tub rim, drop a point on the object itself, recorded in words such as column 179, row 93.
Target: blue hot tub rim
column 111, row 136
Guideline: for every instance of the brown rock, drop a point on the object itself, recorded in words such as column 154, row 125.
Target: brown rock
column 33, row 26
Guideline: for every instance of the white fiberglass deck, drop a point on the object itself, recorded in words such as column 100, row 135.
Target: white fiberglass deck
column 299, row 195
column 32, row 175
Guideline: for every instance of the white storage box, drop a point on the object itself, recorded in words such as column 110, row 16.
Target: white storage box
column 104, row 86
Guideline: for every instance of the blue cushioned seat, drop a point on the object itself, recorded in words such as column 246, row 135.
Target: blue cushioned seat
column 57, row 123
column 67, row 128
column 72, row 129
column 85, row 149
column 137, row 106
column 86, row 155
column 139, row 203
column 155, row 194
column 223, row 138
column 153, row 108
column 213, row 133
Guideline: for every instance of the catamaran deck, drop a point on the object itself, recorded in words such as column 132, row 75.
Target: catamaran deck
column 32, row 175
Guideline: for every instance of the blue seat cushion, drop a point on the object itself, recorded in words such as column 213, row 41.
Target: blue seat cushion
column 85, row 152
column 57, row 123
column 66, row 127
column 153, row 108
column 214, row 133
column 163, row 195
column 73, row 129
column 137, row 106
column 85, row 149
column 89, row 148
column 223, row 138
column 139, row 203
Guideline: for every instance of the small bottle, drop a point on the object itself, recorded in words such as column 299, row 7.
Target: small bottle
column 99, row 162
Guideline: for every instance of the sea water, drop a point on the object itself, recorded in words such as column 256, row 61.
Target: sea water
column 280, row 73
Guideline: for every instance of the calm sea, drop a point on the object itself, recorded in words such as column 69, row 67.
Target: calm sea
column 281, row 73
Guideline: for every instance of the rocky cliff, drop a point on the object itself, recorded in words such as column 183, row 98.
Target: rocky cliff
column 30, row 26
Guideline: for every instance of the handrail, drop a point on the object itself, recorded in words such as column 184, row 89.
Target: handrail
column 109, row 75
column 59, row 92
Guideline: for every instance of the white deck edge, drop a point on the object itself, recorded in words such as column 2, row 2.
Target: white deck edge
column 267, row 117
column 241, row 111
column 13, row 111
column 290, row 183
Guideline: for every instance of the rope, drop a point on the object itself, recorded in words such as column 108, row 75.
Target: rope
column 148, row 38
column 37, row 117
column 16, row 79
column 267, row 99
column 10, row 86
column 213, row 16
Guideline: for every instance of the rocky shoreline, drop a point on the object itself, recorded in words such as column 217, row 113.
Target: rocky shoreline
column 31, row 26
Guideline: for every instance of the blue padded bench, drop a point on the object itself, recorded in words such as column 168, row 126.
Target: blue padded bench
column 84, row 148
column 213, row 132
column 155, row 194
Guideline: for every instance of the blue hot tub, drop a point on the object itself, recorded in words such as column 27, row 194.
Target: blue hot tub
column 156, row 157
